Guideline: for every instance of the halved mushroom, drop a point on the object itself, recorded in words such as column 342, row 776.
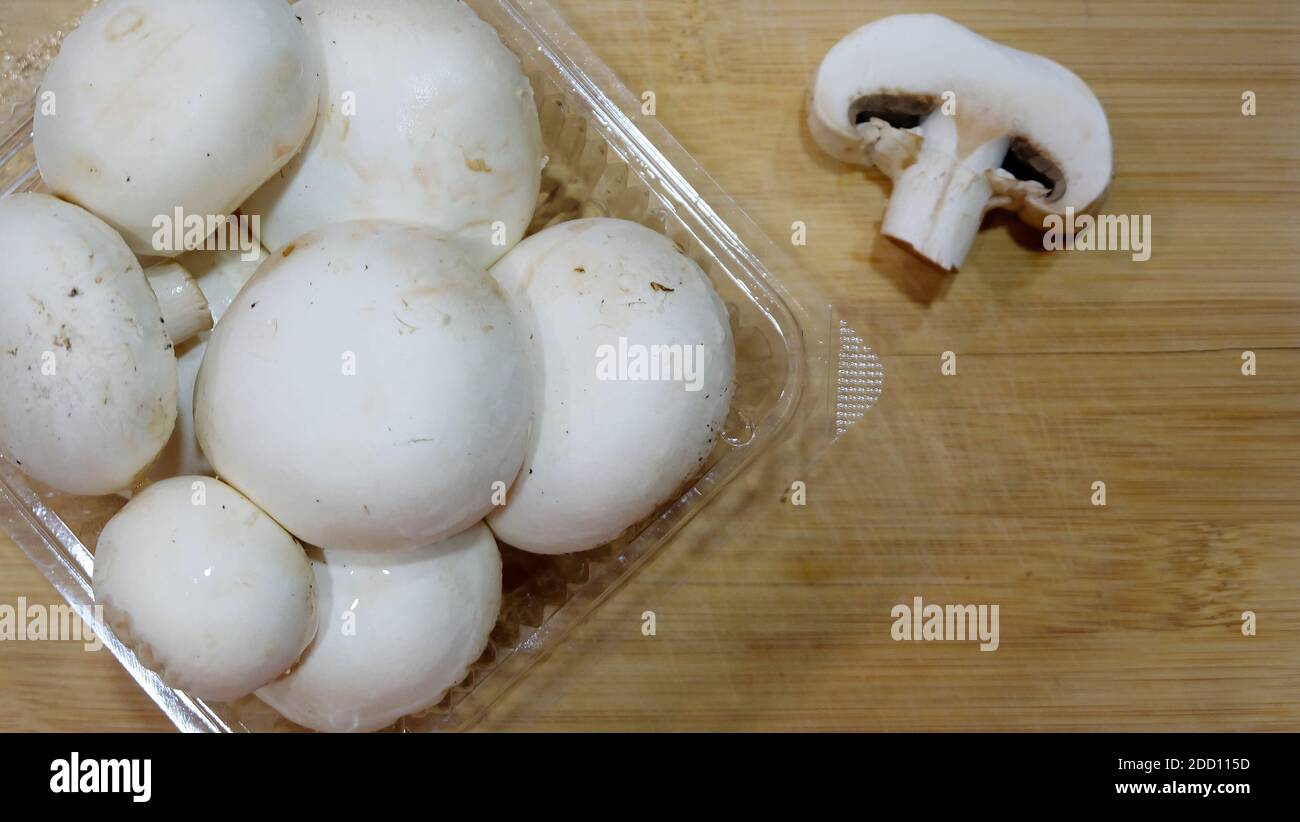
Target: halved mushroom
column 962, row 125
column 367, row 388
column 393, row 637
column 157, row 105
column 207, row 589
column 87, row 347
column 425, row 117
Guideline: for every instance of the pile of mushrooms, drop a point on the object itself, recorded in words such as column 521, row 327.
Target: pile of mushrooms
column 322, row 436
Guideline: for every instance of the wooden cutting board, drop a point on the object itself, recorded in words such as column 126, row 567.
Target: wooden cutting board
column 1072, row 369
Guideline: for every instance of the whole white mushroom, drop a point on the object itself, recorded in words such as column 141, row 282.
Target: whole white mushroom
column 157, row 105
column 635, row 370
column 367, row 389
column 393, row 638
column 424, row 117
column 87, row 347
column 207, row 589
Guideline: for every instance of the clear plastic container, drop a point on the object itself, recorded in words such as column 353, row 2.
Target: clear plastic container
column 803, row 376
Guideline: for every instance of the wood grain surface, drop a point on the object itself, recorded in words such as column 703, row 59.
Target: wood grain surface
column 975, row 488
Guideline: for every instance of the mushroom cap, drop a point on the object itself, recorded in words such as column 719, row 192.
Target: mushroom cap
column 208, row 589
column 393, row 638
column 604, row 453
column 999, row 91
column 162, row 105
column 424, row 117
column 88, row 370
column 367, row 388
column 219, row 275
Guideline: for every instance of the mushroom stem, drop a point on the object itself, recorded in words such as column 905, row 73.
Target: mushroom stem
column 939, row 201
column 184, row 308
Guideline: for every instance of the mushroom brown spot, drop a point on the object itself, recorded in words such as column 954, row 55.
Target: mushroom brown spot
column 612, row 440
column 425, row 117
column 207, row 589
column 91, row 388
column 174, row 104
column 393, row 638
column 361, row 403
column 219, row 275
column 1023, row 133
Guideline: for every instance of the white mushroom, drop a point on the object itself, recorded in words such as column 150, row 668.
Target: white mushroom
column 962, row 125
column 207, row 589
column 424, row 117
column 635, row 368
column 219, row 275
column 86, row 348
column 393, row 638
column 367, row 388
column 157, row 105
